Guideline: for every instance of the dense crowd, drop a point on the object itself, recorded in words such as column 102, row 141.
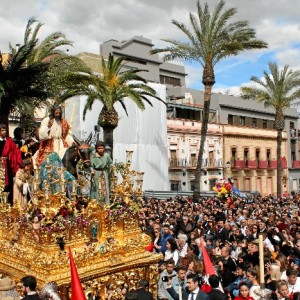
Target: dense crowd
column 184, row 231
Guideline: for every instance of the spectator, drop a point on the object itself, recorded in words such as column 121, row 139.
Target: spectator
column 253, row 277
column 282, row 291
column 192, row 289
column 179, row 281
column 215, row 293
column 182, row 244
column 172, row 251
column 222, row 232
column 165, row 236
column 293, row 280
column 227, row 267
column 28, row 288
column 142, row 292
column 8, row 289
column 169, row 272
column 243, row 292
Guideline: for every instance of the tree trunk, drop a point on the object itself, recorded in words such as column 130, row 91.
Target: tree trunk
column 108, row 120
column 207, row 98
column 279, row 142
column 108, row 136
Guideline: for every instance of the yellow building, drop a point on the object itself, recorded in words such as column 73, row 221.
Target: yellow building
column 250, row 158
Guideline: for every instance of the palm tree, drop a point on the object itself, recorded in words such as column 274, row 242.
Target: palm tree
column 21, row 85
column 277, row 90
column 49, row 51
column 114, row 85
column 211, row 38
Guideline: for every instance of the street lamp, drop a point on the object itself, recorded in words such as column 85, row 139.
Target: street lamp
column 228, row 166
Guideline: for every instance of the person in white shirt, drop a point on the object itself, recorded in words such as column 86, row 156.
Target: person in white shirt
column 293, row 280
column 193, row 291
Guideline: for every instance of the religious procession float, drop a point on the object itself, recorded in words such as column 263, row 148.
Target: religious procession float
column 104, row 236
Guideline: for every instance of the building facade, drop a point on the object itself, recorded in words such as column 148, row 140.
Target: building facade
column 250, row 158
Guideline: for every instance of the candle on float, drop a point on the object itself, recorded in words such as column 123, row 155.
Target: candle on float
column 74, row 186
column 261, row 259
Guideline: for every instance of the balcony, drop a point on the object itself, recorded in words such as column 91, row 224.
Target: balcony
column 263, row 164
column 296, row 164
column 272, row 164
column 179, row 163
column 251, row 164
column 239, row 164
column 213, row 163
column 283, row 163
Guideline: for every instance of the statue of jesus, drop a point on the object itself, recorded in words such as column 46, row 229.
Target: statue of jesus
column 54, row 135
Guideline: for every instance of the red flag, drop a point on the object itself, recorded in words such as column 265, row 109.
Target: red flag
column 208, row 266
column 77, row 292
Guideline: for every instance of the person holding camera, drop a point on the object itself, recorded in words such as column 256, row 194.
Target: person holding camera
column 164, row 278
column 192, row 292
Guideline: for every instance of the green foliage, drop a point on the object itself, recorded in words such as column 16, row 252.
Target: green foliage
column 211, row 36
column 277, row 89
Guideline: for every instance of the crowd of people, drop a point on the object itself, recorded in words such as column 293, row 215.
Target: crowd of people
column 184, row 232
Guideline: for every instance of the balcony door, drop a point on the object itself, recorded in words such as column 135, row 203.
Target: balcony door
column 247, row 184
column 269, row 186
column 258, row 184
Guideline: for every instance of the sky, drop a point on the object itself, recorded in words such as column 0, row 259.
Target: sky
column 88, row 23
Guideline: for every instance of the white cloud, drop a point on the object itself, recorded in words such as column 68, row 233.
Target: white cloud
column 289, row 57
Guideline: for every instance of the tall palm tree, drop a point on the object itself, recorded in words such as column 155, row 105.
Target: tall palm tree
column 114, row 85
column 21, row 84
column 211, row 38
column 277, row 90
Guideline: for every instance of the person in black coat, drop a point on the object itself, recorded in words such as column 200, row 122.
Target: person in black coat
column 29, row 286
column 215, row 293
column 222, row 232
column 142, row 292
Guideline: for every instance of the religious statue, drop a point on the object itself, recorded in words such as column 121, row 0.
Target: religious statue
column 60, row 242
column 15, row 230
column 54, row 135
column 36, row 225
column 94, row 232
column 100, row 162
column 21, row 184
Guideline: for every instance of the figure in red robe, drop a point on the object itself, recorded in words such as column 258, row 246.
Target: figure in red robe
column 12, row 160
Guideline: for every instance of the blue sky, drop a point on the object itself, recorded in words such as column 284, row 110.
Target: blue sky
column 89, row 23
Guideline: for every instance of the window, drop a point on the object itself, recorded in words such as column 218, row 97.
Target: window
column 173, row 154
column 246, row 152
column 233, row 157
column 212, row 117
column 193, row 162
column 254, row 122
column 257, row 155
column 268, row 156
column 230, row 119
column 242, row 121
column 193, row 185
column 169, row 80
column 265, row 123
column 174, row 185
